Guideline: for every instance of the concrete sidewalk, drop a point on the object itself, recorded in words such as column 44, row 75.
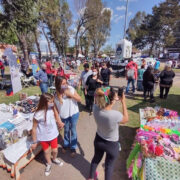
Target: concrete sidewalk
column 78, row 168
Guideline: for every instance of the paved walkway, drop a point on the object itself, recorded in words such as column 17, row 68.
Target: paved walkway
column 74, row 168
column 78, row 168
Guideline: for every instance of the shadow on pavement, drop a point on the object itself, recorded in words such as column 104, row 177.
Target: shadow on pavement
column 127, row 136
column 78, row 162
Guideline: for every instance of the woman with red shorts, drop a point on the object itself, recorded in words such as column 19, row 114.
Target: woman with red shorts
column 45, row 130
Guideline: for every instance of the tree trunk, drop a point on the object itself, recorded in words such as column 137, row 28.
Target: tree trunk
column 24, row 46
column 76, row 41
column 95, row 52
column 95, row 49
column 151, row 49
column 76, row 45
column 47, row 39
column 37, row 45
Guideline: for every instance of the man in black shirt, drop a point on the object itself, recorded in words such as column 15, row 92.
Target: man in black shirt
column 105, row 74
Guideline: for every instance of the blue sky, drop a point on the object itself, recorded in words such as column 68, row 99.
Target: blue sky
column 118, row 11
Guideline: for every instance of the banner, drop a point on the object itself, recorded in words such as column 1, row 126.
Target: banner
column 14, row 70
column 124, row 49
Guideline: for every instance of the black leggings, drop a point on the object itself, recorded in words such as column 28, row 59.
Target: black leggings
column 162, row 95
column 146, row 90
column 111, row 149
column 91, row 102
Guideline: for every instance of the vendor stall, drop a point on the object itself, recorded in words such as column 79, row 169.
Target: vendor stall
column 156, row 151
column 15, row 140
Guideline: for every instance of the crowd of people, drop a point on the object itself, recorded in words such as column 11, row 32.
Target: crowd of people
column 61, row 109
column 148, row 78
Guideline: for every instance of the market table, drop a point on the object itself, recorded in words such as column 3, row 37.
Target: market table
column 156, row 151
column 15, row 139
column 25, row 159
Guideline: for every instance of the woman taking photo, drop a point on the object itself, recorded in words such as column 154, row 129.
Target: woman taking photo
column 93, row 82
column 107, row 136
column 166, row 80
column 66, row 99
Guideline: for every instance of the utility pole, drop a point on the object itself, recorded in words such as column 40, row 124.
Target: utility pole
column 126, row 14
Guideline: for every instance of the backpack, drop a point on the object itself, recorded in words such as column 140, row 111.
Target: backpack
column 130, row 73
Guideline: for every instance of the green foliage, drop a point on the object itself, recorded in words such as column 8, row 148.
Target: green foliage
column 134, row 25
column 7, row 36
column 155, row 30
column 108, row 50
column 57, row 16
column 20, row 16
column 98, row 28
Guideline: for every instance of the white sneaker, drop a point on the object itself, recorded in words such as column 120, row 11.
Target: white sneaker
column 58, row 162
column 48, row 170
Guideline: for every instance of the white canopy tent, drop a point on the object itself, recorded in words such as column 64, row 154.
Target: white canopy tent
column 104, row 56
column 80, row 56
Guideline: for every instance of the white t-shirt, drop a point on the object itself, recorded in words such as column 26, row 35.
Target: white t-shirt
column 69, row 106
column 78, row 62
column 84, row 76
column 46, row 130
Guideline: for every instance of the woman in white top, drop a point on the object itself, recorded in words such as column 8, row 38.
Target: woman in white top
column 66, row 99
column 45, row 130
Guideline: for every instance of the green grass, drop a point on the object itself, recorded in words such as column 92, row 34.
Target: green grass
column 134, row 104
column 33, row 90
column 163, row 65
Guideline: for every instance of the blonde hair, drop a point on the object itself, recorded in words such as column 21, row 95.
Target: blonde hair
column 104, row 98
column 167, row 68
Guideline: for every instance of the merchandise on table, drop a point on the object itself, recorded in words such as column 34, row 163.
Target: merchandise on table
column 159, row 113
column 159, row 137
column 15, row 124
column 29, row 105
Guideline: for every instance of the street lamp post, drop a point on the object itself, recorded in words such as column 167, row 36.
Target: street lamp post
column 126, row 18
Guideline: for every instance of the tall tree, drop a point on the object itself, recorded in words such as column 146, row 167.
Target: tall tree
column 84, row 18
column 47, row 39
column 66, row 21
column 157, row 29
column 99, row 28
column 85, row 44
column 108, row 50
column 21, row 18
column 36, row 37
column 134, row 25
column 57, row 16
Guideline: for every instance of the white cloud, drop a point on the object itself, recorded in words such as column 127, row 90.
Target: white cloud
column 117, row 18
column 120, row 8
